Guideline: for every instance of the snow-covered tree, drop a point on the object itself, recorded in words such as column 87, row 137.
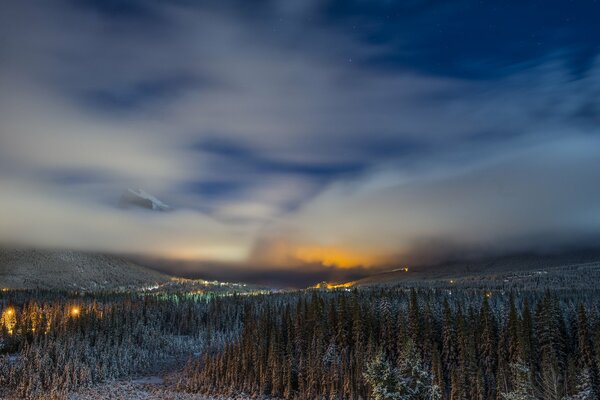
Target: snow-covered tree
column 585, row 387
column 522, row 385
column 385, row 381
column 416, row 376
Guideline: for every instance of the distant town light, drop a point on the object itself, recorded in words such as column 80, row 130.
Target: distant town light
column 8, row 320
column 75, row 311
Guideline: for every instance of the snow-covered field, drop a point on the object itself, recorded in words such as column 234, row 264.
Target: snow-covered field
column 131, row 391
column 147, row 388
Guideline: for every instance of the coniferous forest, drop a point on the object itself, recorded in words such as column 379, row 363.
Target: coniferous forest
column 378, row 343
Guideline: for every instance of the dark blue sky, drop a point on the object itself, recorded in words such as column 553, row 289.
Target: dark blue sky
column 475, row 39
column 287, row 132
column 463, row 39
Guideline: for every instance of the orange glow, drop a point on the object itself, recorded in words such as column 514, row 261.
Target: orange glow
column 334, row 257
column 75, row 311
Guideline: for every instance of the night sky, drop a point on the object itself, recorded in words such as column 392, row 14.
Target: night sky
column 300, row 139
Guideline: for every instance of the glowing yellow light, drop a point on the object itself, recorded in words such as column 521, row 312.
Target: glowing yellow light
column 405, row 269
column 75, row 311
column 327, row 285
column 8, row 320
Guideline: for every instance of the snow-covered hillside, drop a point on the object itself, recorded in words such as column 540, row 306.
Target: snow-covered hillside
column 72, row 270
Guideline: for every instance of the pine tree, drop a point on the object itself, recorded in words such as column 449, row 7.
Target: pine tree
column 488, row 349
column 586, row 356
column 449, row 357
column 551, row 348
column 522, row 385
column 585, row 387
column 414, row 319
column 384, row 380
column 437, row 370
column 526, row 336
column 415, row 376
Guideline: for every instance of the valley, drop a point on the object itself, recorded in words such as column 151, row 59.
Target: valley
column 194, row 339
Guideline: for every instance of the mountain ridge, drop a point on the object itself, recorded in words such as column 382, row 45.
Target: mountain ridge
column 72, row 270
column 485, row 265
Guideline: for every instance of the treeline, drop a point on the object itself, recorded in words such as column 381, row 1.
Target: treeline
column 397, row 344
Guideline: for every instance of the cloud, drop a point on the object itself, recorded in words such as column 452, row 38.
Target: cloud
column 57, row 221
column 539, row 197
column 279, row 138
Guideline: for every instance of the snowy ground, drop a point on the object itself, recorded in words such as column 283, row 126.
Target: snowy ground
column 143, row 388
column 146, row 388
column 131, row 391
